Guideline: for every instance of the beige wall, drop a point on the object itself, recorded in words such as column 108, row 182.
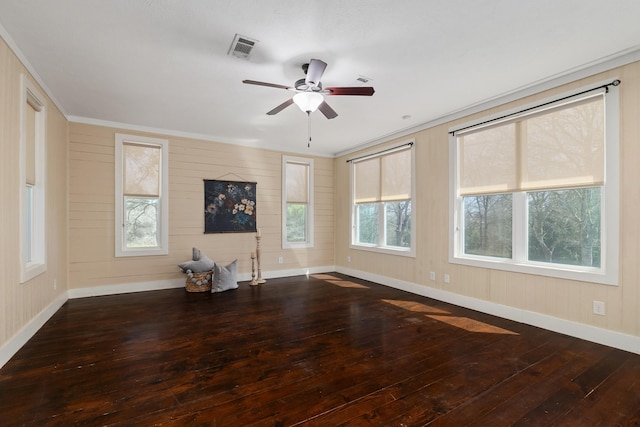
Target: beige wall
column 91, row 210
column 563, row 299
column 20, row 303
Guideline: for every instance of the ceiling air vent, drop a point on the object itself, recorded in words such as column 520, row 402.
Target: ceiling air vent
column 241, row 47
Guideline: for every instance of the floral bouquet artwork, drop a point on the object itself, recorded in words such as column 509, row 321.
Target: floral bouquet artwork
column 229, row 207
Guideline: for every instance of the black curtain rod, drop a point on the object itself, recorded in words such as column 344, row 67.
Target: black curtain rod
column 605, row 87
column 380, row 152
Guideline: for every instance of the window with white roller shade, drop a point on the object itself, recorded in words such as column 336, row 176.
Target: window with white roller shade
column 382, row 200
column 297, row 206
column 141, row 196
column 537, row 190
column 33, row 181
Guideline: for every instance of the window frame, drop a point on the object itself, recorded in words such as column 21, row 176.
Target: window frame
column 309, row 241
column 381, row 248
column 121, row 249
column 608, row 271
column 32, row 201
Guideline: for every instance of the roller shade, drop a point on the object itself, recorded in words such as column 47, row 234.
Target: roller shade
column 383, row 178
column 30, row 155
column 560, row 147
column 367, row 181
column 141, row 170
column 297, row 182
column 396, row 176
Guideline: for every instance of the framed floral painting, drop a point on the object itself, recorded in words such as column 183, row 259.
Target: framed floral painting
column 229, row 206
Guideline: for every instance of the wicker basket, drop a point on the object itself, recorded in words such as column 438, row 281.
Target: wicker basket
column 198, row 282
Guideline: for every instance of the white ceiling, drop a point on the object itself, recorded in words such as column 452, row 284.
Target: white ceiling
column 163, row 64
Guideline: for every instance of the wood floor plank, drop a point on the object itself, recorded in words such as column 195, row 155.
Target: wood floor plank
column 533, row 368
column 427, row 396
column 323, row 350
column 610, row 402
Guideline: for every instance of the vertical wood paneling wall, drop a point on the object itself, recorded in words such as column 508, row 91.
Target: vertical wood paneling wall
column 565, row 299
column 22, row 302
column 91, row 210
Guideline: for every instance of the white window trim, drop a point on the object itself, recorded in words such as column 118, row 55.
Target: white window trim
column 120, row 247
column 607, row 274
column 310, row 206
column 38, row 264
column 389, row 250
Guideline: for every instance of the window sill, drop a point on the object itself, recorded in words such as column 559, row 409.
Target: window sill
column 406, row 252
column 142, row 252
column 557, row 271
column 301, row 245
column 31, row 270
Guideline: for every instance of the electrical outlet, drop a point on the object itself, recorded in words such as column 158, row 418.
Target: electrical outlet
column 348, row 259
column 432, row 276
column 598, row 308
column 447, row 279
column 280, row 260
column 55, row 284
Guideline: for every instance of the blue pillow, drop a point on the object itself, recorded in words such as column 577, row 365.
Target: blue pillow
column 225, row 278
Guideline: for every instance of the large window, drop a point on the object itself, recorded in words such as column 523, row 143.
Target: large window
column 382, row 195
column 297, row 206
column 141, row 196
column 537, row 191
column 32, row 191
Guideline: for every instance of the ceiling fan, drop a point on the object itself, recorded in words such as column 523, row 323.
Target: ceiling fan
column 310, row 93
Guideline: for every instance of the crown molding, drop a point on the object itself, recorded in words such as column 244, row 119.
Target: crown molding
column 610, row 62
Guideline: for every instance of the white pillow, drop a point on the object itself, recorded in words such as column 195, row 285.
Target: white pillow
column 225, row 278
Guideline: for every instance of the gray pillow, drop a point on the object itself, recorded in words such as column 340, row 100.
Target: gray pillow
column 195, row 254
column 225, row 278
column 200, row 266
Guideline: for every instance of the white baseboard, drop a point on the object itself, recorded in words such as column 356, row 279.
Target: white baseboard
column 607, row 337
column 292, row 272
column 125, row 288
column 11, row 347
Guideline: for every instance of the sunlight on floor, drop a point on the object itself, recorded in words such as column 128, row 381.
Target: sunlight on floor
column 416, row 307
column 431, row 312
column 444, row 316
column 338, row 281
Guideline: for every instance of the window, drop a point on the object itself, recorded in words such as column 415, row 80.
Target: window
column 382, row 196
column 297, row 206
column 537, row 192
column 141, row 196
column 32, row 172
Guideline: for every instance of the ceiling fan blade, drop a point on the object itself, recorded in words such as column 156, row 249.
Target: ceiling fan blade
column 315, row 72
column 281, row 107
column 253, row 82
column 328, row 112
column 357, row 90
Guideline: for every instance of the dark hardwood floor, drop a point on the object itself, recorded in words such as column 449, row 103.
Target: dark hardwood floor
column 328, row 350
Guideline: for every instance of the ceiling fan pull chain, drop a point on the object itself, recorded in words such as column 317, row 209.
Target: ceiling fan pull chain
column 309, row 128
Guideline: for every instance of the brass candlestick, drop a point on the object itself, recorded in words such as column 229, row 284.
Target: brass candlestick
column 259, row 280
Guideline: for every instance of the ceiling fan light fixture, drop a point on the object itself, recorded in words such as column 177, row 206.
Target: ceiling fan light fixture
column 308, row 101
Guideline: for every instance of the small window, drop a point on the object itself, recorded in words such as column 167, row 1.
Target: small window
column 297, row 206
column 382, row 195
column 531, row 191
column 141, row 196
column 33, row 181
